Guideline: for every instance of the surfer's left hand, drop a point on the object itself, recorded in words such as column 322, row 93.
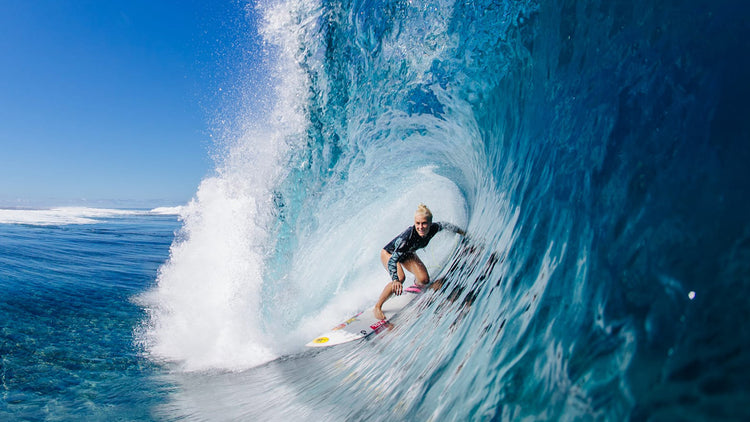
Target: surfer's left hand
column 397, row 287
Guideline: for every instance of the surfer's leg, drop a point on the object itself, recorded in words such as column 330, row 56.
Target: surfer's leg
column 415, row 266
column 388, row 289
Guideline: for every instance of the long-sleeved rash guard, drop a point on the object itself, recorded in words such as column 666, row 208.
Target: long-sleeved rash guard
column 409, row 241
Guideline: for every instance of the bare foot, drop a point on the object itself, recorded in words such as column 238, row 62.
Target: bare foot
column 378, row 313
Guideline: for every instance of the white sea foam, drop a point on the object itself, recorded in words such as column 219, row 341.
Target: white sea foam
column 178, row 210
column 201, row 309
column 61, row 216
column 205, row 310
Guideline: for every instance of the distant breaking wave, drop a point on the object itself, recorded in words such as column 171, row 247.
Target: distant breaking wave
column 74, row 215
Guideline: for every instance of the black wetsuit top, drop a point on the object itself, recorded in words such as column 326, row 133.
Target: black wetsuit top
column 409, row 241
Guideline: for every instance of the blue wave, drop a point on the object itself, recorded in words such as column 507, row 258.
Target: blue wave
column 599, row 148
column 595, row 152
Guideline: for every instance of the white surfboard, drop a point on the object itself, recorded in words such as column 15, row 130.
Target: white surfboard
column 364, row 323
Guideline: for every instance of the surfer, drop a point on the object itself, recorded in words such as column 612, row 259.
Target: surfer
column 399, row 254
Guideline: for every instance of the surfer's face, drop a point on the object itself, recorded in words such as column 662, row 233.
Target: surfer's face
column 421, row 225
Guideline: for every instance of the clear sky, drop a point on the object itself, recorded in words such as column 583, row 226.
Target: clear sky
column 109, row 103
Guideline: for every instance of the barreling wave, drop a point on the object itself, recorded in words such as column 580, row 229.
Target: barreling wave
column 565, row 136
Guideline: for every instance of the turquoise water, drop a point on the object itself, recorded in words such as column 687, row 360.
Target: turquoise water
column 67, row 318
column 595, row 152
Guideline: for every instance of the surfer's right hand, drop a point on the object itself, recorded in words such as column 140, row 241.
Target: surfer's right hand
column 397, row 287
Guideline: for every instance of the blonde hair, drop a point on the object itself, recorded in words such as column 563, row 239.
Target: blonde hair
column 422, row 209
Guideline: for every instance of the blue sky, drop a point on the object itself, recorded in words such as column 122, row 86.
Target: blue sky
column 109, row 103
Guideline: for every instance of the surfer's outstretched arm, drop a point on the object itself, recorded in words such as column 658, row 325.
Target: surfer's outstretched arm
column 452, row 227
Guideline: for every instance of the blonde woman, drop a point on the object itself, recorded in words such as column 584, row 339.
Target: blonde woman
column 399, row 254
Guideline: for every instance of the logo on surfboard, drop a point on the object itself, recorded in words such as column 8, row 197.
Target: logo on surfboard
column 378, row 326
column 347, row 322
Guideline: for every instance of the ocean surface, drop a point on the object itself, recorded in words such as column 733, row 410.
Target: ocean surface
column 595, row 152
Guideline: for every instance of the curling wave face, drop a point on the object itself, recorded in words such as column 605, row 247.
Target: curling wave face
column 565, row 136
